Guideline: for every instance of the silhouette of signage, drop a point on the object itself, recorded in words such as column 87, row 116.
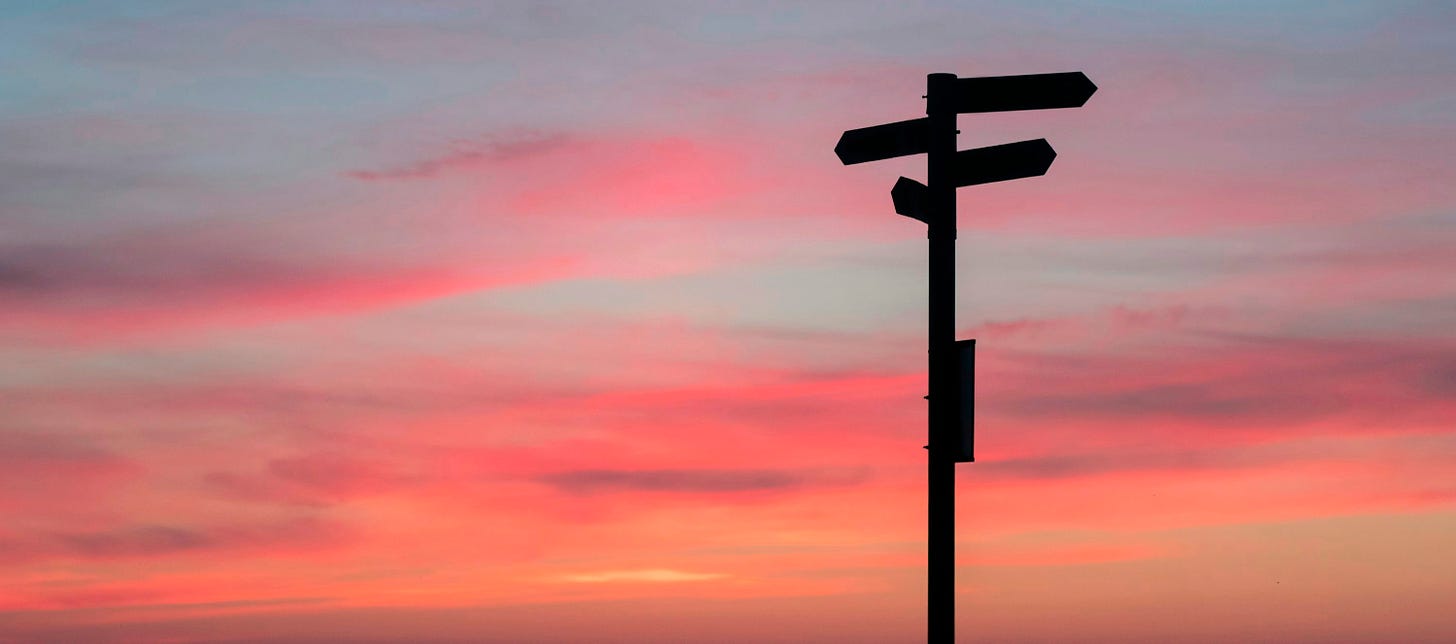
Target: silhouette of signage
column 966, row 362
column 910, row 199
column 1015, row 93
column 974, row 167
column 884, row 141
column 1003, row 162
column 951, row 365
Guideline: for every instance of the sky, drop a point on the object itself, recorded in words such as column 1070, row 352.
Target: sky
column 561, row 322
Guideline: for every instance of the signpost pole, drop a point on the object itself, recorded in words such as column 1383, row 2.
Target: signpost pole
column 951, row 423
column 944, row 413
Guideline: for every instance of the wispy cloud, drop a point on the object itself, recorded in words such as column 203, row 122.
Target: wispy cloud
column 697, row 481
column 467, row 154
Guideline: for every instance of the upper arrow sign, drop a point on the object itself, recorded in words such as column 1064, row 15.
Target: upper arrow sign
column 1030, row 92
column 1003, row 162
column 883, row 141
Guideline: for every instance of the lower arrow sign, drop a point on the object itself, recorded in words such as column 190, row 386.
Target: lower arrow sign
column 972, row 167
column 1003, row 162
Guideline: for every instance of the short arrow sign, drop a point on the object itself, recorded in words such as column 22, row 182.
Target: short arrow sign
column 1001, row 163
column 1030, row 92
column 883, row 141
column 910, row 198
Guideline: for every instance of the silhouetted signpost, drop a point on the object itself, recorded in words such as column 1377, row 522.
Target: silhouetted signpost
column 934, row 202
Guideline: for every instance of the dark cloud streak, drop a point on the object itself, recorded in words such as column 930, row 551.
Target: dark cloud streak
column 498, row 148
column 161, row 540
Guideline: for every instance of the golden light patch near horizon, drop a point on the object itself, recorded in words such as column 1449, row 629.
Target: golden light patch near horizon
column 657, row 575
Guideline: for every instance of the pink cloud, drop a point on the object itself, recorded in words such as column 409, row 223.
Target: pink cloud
column 42, row 475
column 1061, row 555
column 669, row 176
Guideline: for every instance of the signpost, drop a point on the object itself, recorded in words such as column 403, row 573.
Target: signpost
column 934, row 203
column 886, row 141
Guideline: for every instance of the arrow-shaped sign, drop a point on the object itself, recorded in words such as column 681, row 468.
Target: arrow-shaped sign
column 883, row 141
column 1030, row 92
column 1003, row 162
column 981, row 165
column 910, row 199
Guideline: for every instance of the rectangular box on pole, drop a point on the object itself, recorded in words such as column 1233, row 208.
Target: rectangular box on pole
column 966, row 362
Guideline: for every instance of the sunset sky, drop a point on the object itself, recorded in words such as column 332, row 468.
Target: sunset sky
column 562, row 322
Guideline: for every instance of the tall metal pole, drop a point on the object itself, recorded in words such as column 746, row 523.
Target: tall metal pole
column 944, row 412
column 951, row 433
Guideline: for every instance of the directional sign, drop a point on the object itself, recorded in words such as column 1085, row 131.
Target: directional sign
column 1003, row 162
column 974, row 167
column 910, row 199
column 884, row 141
column 1030, row 92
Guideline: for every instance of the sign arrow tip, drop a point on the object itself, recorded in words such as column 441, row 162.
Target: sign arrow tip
column 1088, row 88
column 840, row 149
